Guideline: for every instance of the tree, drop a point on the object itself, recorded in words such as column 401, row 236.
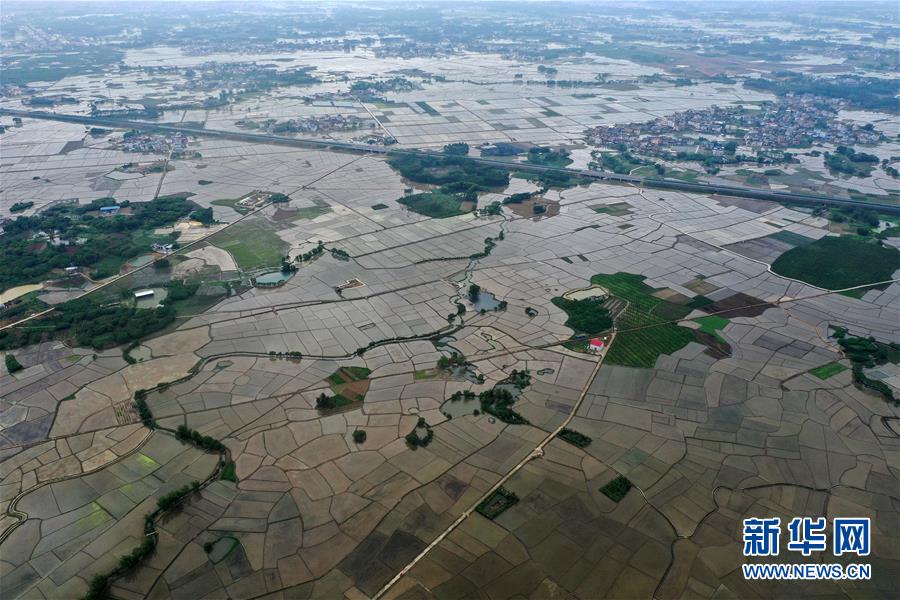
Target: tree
column 457, row 149
column 359, row 436
column 12, row 365
column 474, row 292
column 204, row 215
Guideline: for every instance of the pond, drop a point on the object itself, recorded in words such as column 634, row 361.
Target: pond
column 273, row 279
column 467, row 406
column 486, row 301
column 159, row 294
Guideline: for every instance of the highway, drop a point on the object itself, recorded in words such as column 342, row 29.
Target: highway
column 646, row 182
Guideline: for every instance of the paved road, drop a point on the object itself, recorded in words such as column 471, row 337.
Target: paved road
column 537, row 452
column 649, row 182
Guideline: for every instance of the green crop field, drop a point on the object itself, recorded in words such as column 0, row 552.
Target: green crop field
column 712, row 324
column 828, row 370
column 641, row 347
column 252, row 243
column 834, row 263
column 436, row 204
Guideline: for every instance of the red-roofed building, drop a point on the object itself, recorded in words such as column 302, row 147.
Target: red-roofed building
column 596, row 345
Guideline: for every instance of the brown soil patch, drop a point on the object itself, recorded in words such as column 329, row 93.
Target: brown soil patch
column 714, row 346
column 739, row 305
column 671, row 296
column 355, row 390
column 526, row 208
column 699, row 286
column 282, row 214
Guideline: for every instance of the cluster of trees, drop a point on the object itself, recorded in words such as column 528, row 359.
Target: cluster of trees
column 414, row 440
column 850, row 162
column 90, row 239
column 100, row 326
column 93, row 325
column 856, row 214
column 98, row 586
column 12, row 364
column 449, row 169
column 292, row 353
column 144, row 412
column 585, row 316
column 340, row 254
column 503, row 149
column 494, row 208
column 865, row 353
column 498, row 402
column 204, row 215
column 520, row 379
column 575, row 438
column 287, row 266
column 621, row 163
column 326, row 402
column 457, row 149
column 545, row 156
column 20, row 206
column 519, row 197
column 474, row 292
column 204, row 442
column 308, row 256
column 873, row 93
column 170, row 500
column 456, row 359
column 462, row 395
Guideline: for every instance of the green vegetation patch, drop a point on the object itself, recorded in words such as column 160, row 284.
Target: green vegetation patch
column 829, row 370
column 789, row 237
column 497, row 503
column 437, row 204
column 644, row 335
column 319, row 208
column 348, row 374
column 12, row 364
column 585, row 316
column 616, row 489
column 446, row 169
column 253, row 244
column 839, row 262
column 867, row 353
column 229, row 472
column 547, row 157
column 712, row 324
column 428, row 109
column 83, row 237
column 221, row 548
column 349, row 385
column 621, row 162
column 618, row 209
column 574, row 438
column 231, row 203
column 699, row 302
